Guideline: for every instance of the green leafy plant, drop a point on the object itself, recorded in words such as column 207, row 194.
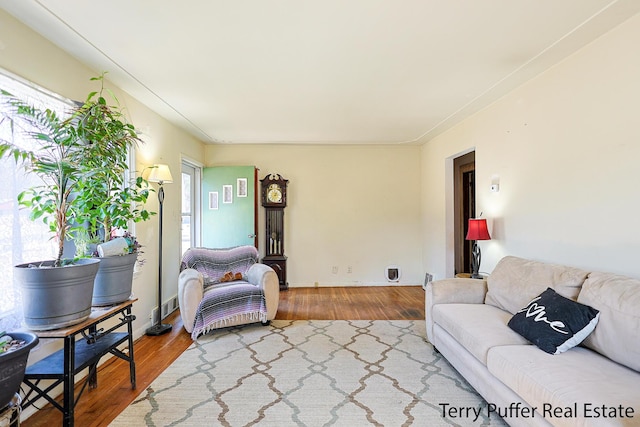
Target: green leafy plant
column 104, row 202
column 81, row 161
column 55, row 160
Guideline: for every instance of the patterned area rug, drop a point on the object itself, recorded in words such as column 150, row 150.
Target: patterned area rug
column 309, row 373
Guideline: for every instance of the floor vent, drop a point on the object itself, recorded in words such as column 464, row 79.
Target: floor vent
column 428, row 278
column 167, row 308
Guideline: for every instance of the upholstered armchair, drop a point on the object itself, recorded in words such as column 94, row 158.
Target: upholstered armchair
column 218, row 288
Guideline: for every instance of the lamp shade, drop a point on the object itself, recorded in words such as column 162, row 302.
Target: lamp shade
column 478, row 230
column 161, row 174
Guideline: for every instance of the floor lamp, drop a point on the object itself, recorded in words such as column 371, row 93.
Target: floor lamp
column 161, row 174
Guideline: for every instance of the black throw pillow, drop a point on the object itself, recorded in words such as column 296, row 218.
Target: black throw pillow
column 555, row 323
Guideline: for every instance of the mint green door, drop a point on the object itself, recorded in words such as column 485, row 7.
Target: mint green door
column 229, row 206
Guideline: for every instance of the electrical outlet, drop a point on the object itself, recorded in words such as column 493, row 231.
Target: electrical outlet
column 334, row 269
column 349, row 269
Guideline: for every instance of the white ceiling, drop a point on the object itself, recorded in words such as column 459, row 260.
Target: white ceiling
column 319, row 71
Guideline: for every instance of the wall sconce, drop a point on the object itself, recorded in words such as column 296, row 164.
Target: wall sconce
column 495, row 183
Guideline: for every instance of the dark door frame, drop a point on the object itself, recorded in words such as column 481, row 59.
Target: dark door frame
column 464, row 201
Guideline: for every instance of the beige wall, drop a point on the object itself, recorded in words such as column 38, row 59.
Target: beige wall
column 26, row 54
column 347, row 206
column 564, row 148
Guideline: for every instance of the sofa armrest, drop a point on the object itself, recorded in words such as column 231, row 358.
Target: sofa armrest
column 264, row 277
column 451, row 291
column 190, row 292
column 457, row 291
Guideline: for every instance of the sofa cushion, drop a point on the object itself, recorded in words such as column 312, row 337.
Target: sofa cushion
column 224, row 304
column 477, row 327
column 516, row 281
column 554, row 323
column 617, row 335
column 579, row 379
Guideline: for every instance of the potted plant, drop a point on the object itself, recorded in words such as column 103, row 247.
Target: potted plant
column 55, row 293
column 14, row 352
column 105, row 204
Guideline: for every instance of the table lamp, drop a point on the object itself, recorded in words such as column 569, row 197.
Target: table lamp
column 477, row 231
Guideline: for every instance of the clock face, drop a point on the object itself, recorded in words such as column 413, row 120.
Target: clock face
column 274, row 193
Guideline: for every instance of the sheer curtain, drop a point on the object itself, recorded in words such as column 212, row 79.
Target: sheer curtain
column 21, row 240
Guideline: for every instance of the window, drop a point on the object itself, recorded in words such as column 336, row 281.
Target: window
column 21, row 240
column 191, row 177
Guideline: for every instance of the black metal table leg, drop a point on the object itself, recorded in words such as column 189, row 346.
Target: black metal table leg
column 69, row 380
column 132, row 363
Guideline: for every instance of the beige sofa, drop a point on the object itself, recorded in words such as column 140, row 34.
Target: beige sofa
column 594, row 384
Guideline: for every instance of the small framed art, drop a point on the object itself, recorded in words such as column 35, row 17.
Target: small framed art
column 241, row 187
column 227, row 194
column 213, row 200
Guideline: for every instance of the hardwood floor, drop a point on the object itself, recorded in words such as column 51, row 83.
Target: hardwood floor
column 98, row 407
column 354, row 303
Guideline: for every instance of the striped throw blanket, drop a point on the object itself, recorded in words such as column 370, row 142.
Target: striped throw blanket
column 226, row 302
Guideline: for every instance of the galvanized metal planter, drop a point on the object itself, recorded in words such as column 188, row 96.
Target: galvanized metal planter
column 114, row 279
column 56, row 297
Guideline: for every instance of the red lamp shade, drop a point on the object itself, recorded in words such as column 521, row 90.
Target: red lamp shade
column 478, row 230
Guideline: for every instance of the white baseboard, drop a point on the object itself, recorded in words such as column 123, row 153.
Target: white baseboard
column 346, row 285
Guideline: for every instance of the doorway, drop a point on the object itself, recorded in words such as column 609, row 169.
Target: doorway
column 464, row 200
column 229, row 208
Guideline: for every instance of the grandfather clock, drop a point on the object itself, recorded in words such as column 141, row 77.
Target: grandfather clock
column 274, row 200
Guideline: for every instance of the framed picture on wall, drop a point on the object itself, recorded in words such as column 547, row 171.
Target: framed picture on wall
column 213, row 200
column 241, row 187
column 227, row 194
